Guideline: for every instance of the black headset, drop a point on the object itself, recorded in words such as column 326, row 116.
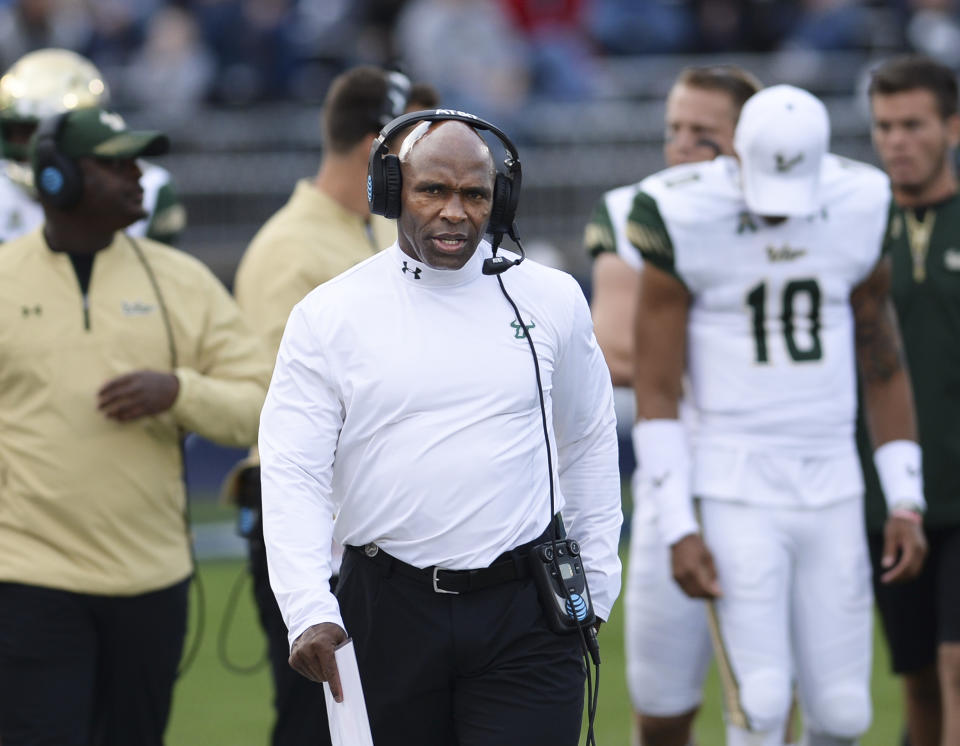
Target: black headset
column 384, row 180
column 57, row 177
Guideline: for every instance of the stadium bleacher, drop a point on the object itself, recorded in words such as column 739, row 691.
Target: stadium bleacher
column 235, row 167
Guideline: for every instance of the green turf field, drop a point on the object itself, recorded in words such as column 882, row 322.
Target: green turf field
column 214, row 706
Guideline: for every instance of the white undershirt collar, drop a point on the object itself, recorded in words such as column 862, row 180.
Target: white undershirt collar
column 418, row 273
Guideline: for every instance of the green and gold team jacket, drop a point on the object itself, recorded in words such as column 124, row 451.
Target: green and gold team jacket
column 88, row 504
column 924, row 245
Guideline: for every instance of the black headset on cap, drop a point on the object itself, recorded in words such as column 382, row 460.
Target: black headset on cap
column 384, row 180
column 56, row 176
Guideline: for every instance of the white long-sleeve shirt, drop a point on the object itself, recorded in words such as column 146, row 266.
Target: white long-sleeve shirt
column 404, row 402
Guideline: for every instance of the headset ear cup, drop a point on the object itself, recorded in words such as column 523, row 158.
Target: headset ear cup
column 501, row 211
column 60, row 180
column 375, row 186
column 392, row 186
column 56, row 177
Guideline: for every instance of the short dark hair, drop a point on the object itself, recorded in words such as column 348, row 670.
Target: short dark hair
column 736, row 82
column 912, row 71
column 354, row 107
column 422, row 96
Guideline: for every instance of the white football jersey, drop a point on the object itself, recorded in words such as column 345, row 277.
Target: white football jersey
column 770, row 335
column 153, row 179
column 19, row 212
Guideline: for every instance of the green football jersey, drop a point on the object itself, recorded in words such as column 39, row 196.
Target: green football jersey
column 924, row 245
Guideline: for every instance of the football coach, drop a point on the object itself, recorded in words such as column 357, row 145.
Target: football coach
column 432, row 414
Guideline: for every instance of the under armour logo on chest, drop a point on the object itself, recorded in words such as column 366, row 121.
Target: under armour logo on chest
column 416, row 271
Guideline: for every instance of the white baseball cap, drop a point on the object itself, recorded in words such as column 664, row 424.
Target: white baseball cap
column 781, row 138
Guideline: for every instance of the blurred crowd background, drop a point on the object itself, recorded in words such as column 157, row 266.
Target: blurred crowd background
column 579, row 84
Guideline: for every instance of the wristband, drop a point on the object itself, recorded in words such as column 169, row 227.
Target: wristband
column 907, row 514
column 900, row 469
column 663, row 463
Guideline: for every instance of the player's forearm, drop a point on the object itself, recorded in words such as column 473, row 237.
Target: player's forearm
column 657, row 402
column 660, row 333
column 889, row 408
column 613, row 310
column 619, row 359
column 658, row 366
column 887, row 396
column 614, row 333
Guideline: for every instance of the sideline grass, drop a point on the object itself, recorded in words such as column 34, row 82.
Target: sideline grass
column 213, row 706
column 216, row 707
column 613, row 723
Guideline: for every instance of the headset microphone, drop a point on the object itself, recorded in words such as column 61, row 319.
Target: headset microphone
column 497, row 265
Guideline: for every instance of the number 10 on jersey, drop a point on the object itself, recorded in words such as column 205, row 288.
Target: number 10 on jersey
column 808, row 348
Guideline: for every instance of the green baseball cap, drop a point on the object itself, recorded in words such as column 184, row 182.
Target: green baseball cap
column 98, row 133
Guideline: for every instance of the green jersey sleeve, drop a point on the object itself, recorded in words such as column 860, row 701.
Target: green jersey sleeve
column 599, row 235
column 169, row 217
column 647, row 231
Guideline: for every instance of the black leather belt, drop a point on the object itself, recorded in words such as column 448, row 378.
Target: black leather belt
column 511, row 565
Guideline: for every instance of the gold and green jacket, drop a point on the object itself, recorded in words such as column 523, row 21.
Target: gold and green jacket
column 88, row 504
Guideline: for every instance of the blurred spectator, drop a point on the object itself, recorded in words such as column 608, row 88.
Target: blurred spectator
column 252, row 40
column 828, row 25
column 26, row 25
column 559, row 50
column 173, row 61
column 468, row 50
column 742, row 25
column 376, row 43
column 323, row 37
column 488, row 56
column 643, row 26
column 934, row 29
column 119, row 28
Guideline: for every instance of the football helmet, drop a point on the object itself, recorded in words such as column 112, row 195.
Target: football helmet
column 43, row 83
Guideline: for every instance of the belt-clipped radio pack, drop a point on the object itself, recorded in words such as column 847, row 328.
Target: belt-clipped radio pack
column 558, row 572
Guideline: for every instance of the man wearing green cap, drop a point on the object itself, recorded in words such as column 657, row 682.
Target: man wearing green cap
column 45, row 82
column 111, row 348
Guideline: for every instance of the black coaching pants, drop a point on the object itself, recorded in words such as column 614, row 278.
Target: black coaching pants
column 475, row 669
column 82, row 670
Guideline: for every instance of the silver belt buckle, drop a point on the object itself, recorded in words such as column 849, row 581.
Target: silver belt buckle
column 437, row 589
